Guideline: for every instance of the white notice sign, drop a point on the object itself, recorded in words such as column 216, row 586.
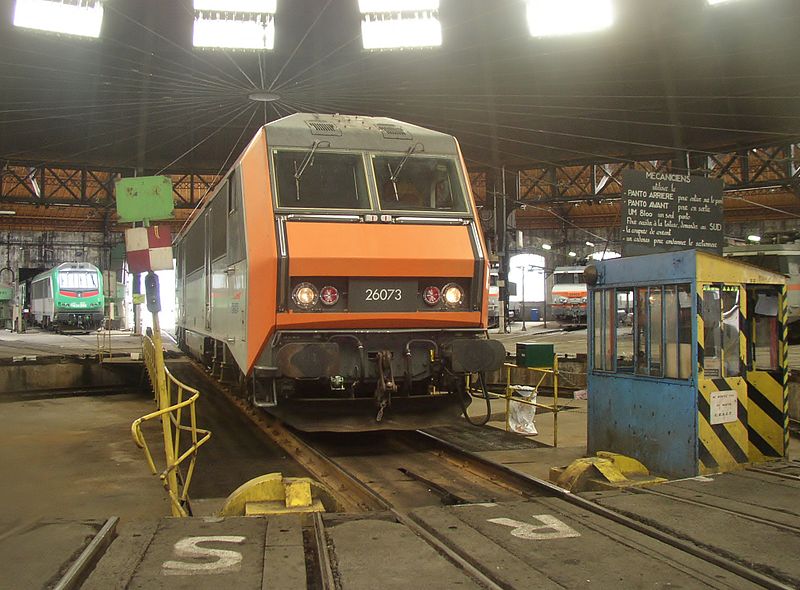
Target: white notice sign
column 723, row 407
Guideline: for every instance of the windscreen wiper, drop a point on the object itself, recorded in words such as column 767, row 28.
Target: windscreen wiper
column 299, row 170
column 394, row 174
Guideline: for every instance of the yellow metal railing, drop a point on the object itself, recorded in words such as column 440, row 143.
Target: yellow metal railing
column 174, row 400
column 545, row 371
column 509, row 393
column 103, row 344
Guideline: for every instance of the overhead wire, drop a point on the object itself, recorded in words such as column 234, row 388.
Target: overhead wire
column 451, row 107
column 192, row 54
column 116, row 132
column 300, row 44
column 222, row 167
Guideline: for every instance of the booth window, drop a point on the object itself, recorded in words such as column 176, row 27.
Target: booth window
column 662, row 331
column 712, row 334
column 721, row 329
column 625, row 304
column 649, row 341
column 731, row 351
column 604, row 314
column 678, row 331
column 765, row 332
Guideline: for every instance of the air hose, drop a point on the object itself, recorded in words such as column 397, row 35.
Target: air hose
column 464, row 406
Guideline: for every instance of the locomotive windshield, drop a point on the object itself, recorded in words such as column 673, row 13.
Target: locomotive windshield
column 568, row 278
column 321, row 180
column 418, row 183
column 77, row 279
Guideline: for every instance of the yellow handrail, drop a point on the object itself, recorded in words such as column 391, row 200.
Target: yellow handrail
column 103, row 344
column 508, row 396
column 171, row 414
column 553, row 408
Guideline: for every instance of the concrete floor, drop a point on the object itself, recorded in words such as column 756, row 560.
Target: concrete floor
column 42, row 343
column 67, row 462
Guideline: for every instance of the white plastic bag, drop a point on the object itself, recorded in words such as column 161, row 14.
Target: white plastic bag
column 521, row 415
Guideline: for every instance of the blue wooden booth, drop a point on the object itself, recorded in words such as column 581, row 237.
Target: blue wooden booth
column 687, row 362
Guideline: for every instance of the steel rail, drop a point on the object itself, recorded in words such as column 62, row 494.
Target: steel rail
column 729, row 565
column 73, row 577
column 774, row 473
column 327, row 580
column 779, row 525
column 326, row 469
column 351, row 494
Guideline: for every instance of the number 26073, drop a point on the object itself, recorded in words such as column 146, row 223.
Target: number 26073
column 384, row 294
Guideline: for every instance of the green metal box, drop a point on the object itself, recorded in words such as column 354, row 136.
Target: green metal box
column 535, row 354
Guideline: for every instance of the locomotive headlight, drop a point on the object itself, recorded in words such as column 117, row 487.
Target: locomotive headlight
column 305, row 295
column 452, row 295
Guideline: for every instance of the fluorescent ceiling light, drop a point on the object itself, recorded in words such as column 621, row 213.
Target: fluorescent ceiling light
column 398, row 24
column 550, row 18
column 715, row 2
column 257, row 6
column 546, row 246
column 402, row 32
column 82, row 18
column 234, row 24
column 8, row 212
column 754, row 238
column 397, row 5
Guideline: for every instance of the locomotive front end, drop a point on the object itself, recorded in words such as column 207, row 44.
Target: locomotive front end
column 382, row 276
column 340, row 272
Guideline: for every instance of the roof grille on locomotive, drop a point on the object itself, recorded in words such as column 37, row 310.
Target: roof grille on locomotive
column 323, row 128
column 393, row 131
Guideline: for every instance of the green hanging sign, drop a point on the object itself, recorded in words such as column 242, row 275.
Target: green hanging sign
column 144, row 198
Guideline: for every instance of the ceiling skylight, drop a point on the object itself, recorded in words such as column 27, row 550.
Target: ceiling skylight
column 82, row 18
column 234, row 24
column 551, row 18
column 399, row 24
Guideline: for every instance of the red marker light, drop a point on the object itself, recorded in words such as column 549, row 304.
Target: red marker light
column 329, row 295
column 431, row 295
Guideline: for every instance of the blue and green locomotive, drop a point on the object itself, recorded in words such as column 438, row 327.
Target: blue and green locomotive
column 68, row 297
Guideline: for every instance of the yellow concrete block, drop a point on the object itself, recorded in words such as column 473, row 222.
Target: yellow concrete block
column 298, row 492
column 264, row 488
column 608, row 470
column 627, row 465
column 269, row 508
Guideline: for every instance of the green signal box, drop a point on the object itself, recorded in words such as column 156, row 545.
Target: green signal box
column 535, row 355
column 144, row 198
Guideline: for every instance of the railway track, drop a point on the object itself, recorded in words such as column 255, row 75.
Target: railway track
column 407, row 476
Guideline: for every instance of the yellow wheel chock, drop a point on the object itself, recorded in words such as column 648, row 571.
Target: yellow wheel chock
column 274, row 494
